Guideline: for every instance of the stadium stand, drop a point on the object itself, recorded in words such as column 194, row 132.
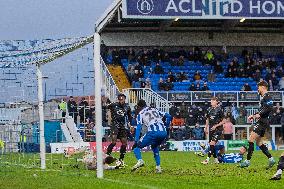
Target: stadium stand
column 182, row 65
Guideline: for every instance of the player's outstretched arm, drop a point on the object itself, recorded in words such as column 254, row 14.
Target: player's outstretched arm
column 169, row 119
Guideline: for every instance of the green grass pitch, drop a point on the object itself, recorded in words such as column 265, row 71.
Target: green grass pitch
column 180, row 170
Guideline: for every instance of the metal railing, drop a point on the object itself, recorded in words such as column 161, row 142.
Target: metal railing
column 150, row 96
column 108, row 82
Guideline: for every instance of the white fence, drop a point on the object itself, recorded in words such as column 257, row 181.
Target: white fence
column 150, row 96
column 108, row 83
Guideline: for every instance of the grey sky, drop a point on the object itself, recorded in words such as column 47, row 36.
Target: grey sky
column 42, row 19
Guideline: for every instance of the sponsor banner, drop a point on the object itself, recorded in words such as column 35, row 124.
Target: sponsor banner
column 276, row 96
column 117, row 147
column 270, row 145
column 179, row 97
column 191, row 145
column 58, row 148
column 203, row 9
column 236, row 144
column 224, row 96
column 253, row 96
column 202, row 96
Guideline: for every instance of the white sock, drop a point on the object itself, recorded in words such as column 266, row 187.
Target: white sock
column 271, row 158
column 279, row 172
column 207, row 158
column 247, row 161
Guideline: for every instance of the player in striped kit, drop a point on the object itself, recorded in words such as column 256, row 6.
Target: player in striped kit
column 222, row 156
column 233, row 157
column 155, row 135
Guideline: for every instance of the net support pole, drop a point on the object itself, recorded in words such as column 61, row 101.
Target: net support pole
column 98, row 104
column 41, row 118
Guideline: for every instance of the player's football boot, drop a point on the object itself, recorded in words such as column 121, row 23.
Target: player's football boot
column 245, row 164
column 216, row 161
column 199, row 154
column 140, row 163
column 122, row 164
column 271, row 162
column 158, row 169
column 275, row 177
column 205, row 162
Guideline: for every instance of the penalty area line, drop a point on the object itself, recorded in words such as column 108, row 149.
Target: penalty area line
column 131, row 184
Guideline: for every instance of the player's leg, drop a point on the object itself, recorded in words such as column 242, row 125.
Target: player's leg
column 220, row 151
column 209, row 150
column 159, row 138
column 144, row 141
column 123, row 148
column 253, row 136
column 214, row 139
column 280, row 168
column 157, row 158
column 264, row 150
column 113, row 142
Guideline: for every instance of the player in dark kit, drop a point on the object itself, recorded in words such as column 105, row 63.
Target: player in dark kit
column 214, row 127
column 120, row 115
column 280, row 168
column 262, row 123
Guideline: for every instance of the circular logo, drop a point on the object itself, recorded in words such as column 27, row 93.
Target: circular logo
column 145, row 6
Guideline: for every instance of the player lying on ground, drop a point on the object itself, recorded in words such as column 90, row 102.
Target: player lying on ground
column 90, row 161
column 70, row 151
column 222, row 157
column 206, row 148
column 280, row 167
column 262, row 117
column 151, row 118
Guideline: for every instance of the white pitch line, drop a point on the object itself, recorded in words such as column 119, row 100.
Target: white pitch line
column 128, row 183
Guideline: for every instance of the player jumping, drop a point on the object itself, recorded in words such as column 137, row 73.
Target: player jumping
column 120, row 112
column 266, row 106
column 214, row 127
column 155, row 135
column 280, row 168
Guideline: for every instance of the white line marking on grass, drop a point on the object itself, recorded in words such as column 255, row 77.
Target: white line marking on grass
column 129, row 183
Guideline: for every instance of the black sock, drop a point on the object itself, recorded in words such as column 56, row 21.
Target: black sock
column 264, row 150
column 212, row 151
column 250, row 150
column 122, row 152
column 280, row 166
column 109, row 148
